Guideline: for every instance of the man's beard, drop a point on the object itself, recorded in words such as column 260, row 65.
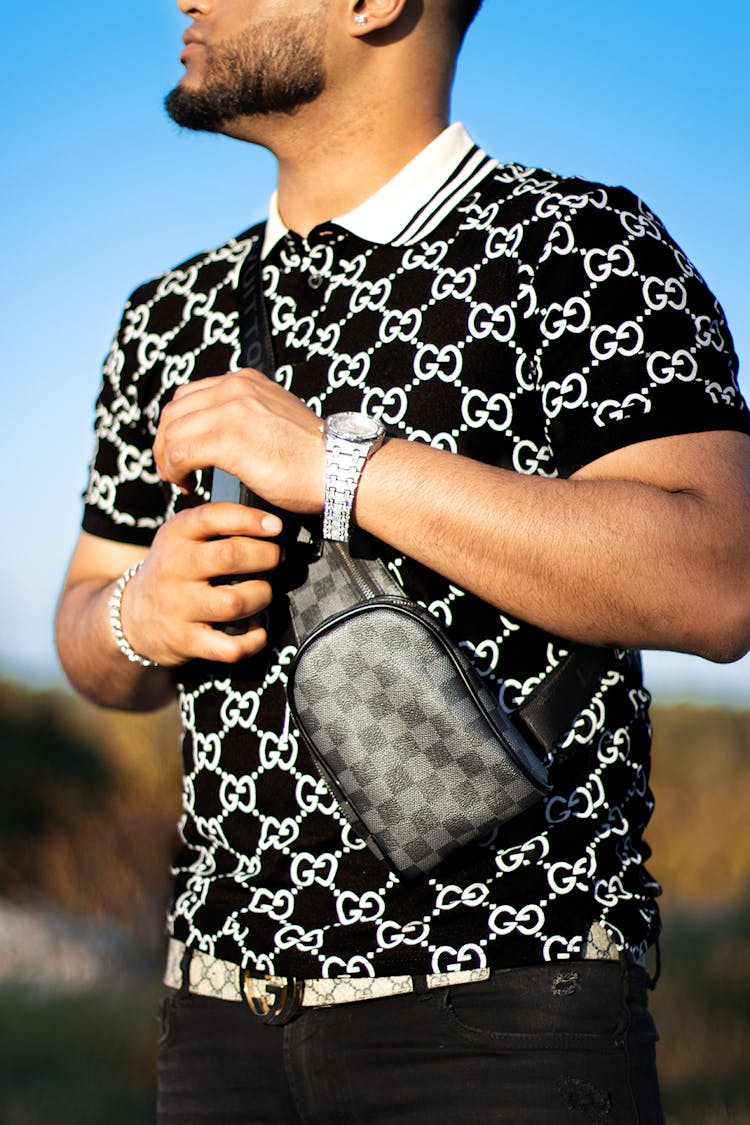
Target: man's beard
column 274, row 68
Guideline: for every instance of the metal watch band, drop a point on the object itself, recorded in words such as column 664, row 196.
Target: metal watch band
column 344, row 463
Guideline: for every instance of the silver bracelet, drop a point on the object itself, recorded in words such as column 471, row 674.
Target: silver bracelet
column 115, row 619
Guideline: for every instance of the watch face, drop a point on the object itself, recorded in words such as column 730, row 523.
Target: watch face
column 352, row 426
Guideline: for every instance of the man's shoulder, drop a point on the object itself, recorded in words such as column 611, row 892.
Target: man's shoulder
column 547, row 191
column 535, row 207
column 201, row 272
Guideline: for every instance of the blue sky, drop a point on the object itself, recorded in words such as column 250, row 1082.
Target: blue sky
column 101, row 191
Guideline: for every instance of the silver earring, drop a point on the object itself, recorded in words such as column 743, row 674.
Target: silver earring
column 360, row 19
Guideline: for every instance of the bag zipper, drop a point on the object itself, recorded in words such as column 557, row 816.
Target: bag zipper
column 358, row 574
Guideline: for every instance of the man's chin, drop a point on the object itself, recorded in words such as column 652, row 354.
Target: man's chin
column 191, row 109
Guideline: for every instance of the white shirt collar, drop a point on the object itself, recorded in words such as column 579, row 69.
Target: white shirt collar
column 386, row 213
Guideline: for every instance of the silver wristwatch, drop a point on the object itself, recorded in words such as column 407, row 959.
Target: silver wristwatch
column 350, row 439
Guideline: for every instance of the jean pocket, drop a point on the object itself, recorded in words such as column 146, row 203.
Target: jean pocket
column 571, row 1004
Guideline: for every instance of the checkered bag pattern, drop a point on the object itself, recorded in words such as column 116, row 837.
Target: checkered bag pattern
column 416, row 751
column 337, row 580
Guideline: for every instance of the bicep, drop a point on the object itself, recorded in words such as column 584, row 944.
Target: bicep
column 713, row 466
column 684, row 507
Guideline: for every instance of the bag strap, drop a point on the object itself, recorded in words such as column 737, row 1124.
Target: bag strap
column 256, row 346
column 546, row 715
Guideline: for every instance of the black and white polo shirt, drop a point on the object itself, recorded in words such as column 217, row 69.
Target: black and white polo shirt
column 526, row 320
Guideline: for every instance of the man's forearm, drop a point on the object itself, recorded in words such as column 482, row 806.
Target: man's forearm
column 91, row 659
column 603, row 561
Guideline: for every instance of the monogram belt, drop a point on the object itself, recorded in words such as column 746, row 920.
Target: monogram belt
column 276, row 999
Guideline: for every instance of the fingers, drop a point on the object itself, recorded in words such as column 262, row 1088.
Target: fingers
column 206, row 642
column 223, row 519
column 226, row 558
column 225, row 648
column 173, row 622
column 235, row 601
column 249, row 426
column 203, row 413
column 171, row 605
column 188, row 442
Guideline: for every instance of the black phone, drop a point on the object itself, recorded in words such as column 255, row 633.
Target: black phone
column 226, row 487
column 229, row 488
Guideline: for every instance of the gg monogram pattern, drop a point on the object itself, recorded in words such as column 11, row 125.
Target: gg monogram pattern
column 528, row 321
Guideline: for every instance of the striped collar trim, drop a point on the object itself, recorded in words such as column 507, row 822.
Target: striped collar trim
column 415, row 200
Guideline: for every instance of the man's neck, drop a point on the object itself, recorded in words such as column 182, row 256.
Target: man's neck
column 334, row 154
column 332, row 177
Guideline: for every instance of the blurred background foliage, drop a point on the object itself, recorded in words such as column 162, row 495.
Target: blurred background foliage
column 88, row 810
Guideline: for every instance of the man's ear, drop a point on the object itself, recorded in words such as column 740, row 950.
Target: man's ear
column 367, row 16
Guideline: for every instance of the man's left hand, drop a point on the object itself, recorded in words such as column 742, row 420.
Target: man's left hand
column 251, row 427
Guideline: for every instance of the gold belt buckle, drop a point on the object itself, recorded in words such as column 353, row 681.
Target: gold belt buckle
column 273, row 1000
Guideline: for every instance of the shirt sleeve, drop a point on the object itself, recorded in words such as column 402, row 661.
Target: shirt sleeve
column 124, row 499
column 626, row 340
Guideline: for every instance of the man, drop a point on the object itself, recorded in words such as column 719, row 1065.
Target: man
column 568, row 463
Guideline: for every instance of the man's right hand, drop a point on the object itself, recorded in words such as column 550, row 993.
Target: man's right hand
column 170, row 606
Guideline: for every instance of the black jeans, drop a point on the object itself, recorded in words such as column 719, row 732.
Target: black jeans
column 563, row 1044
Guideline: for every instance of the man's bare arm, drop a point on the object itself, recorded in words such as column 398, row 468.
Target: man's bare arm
column 168, row 608
column 85, row 642
column 646, row 547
